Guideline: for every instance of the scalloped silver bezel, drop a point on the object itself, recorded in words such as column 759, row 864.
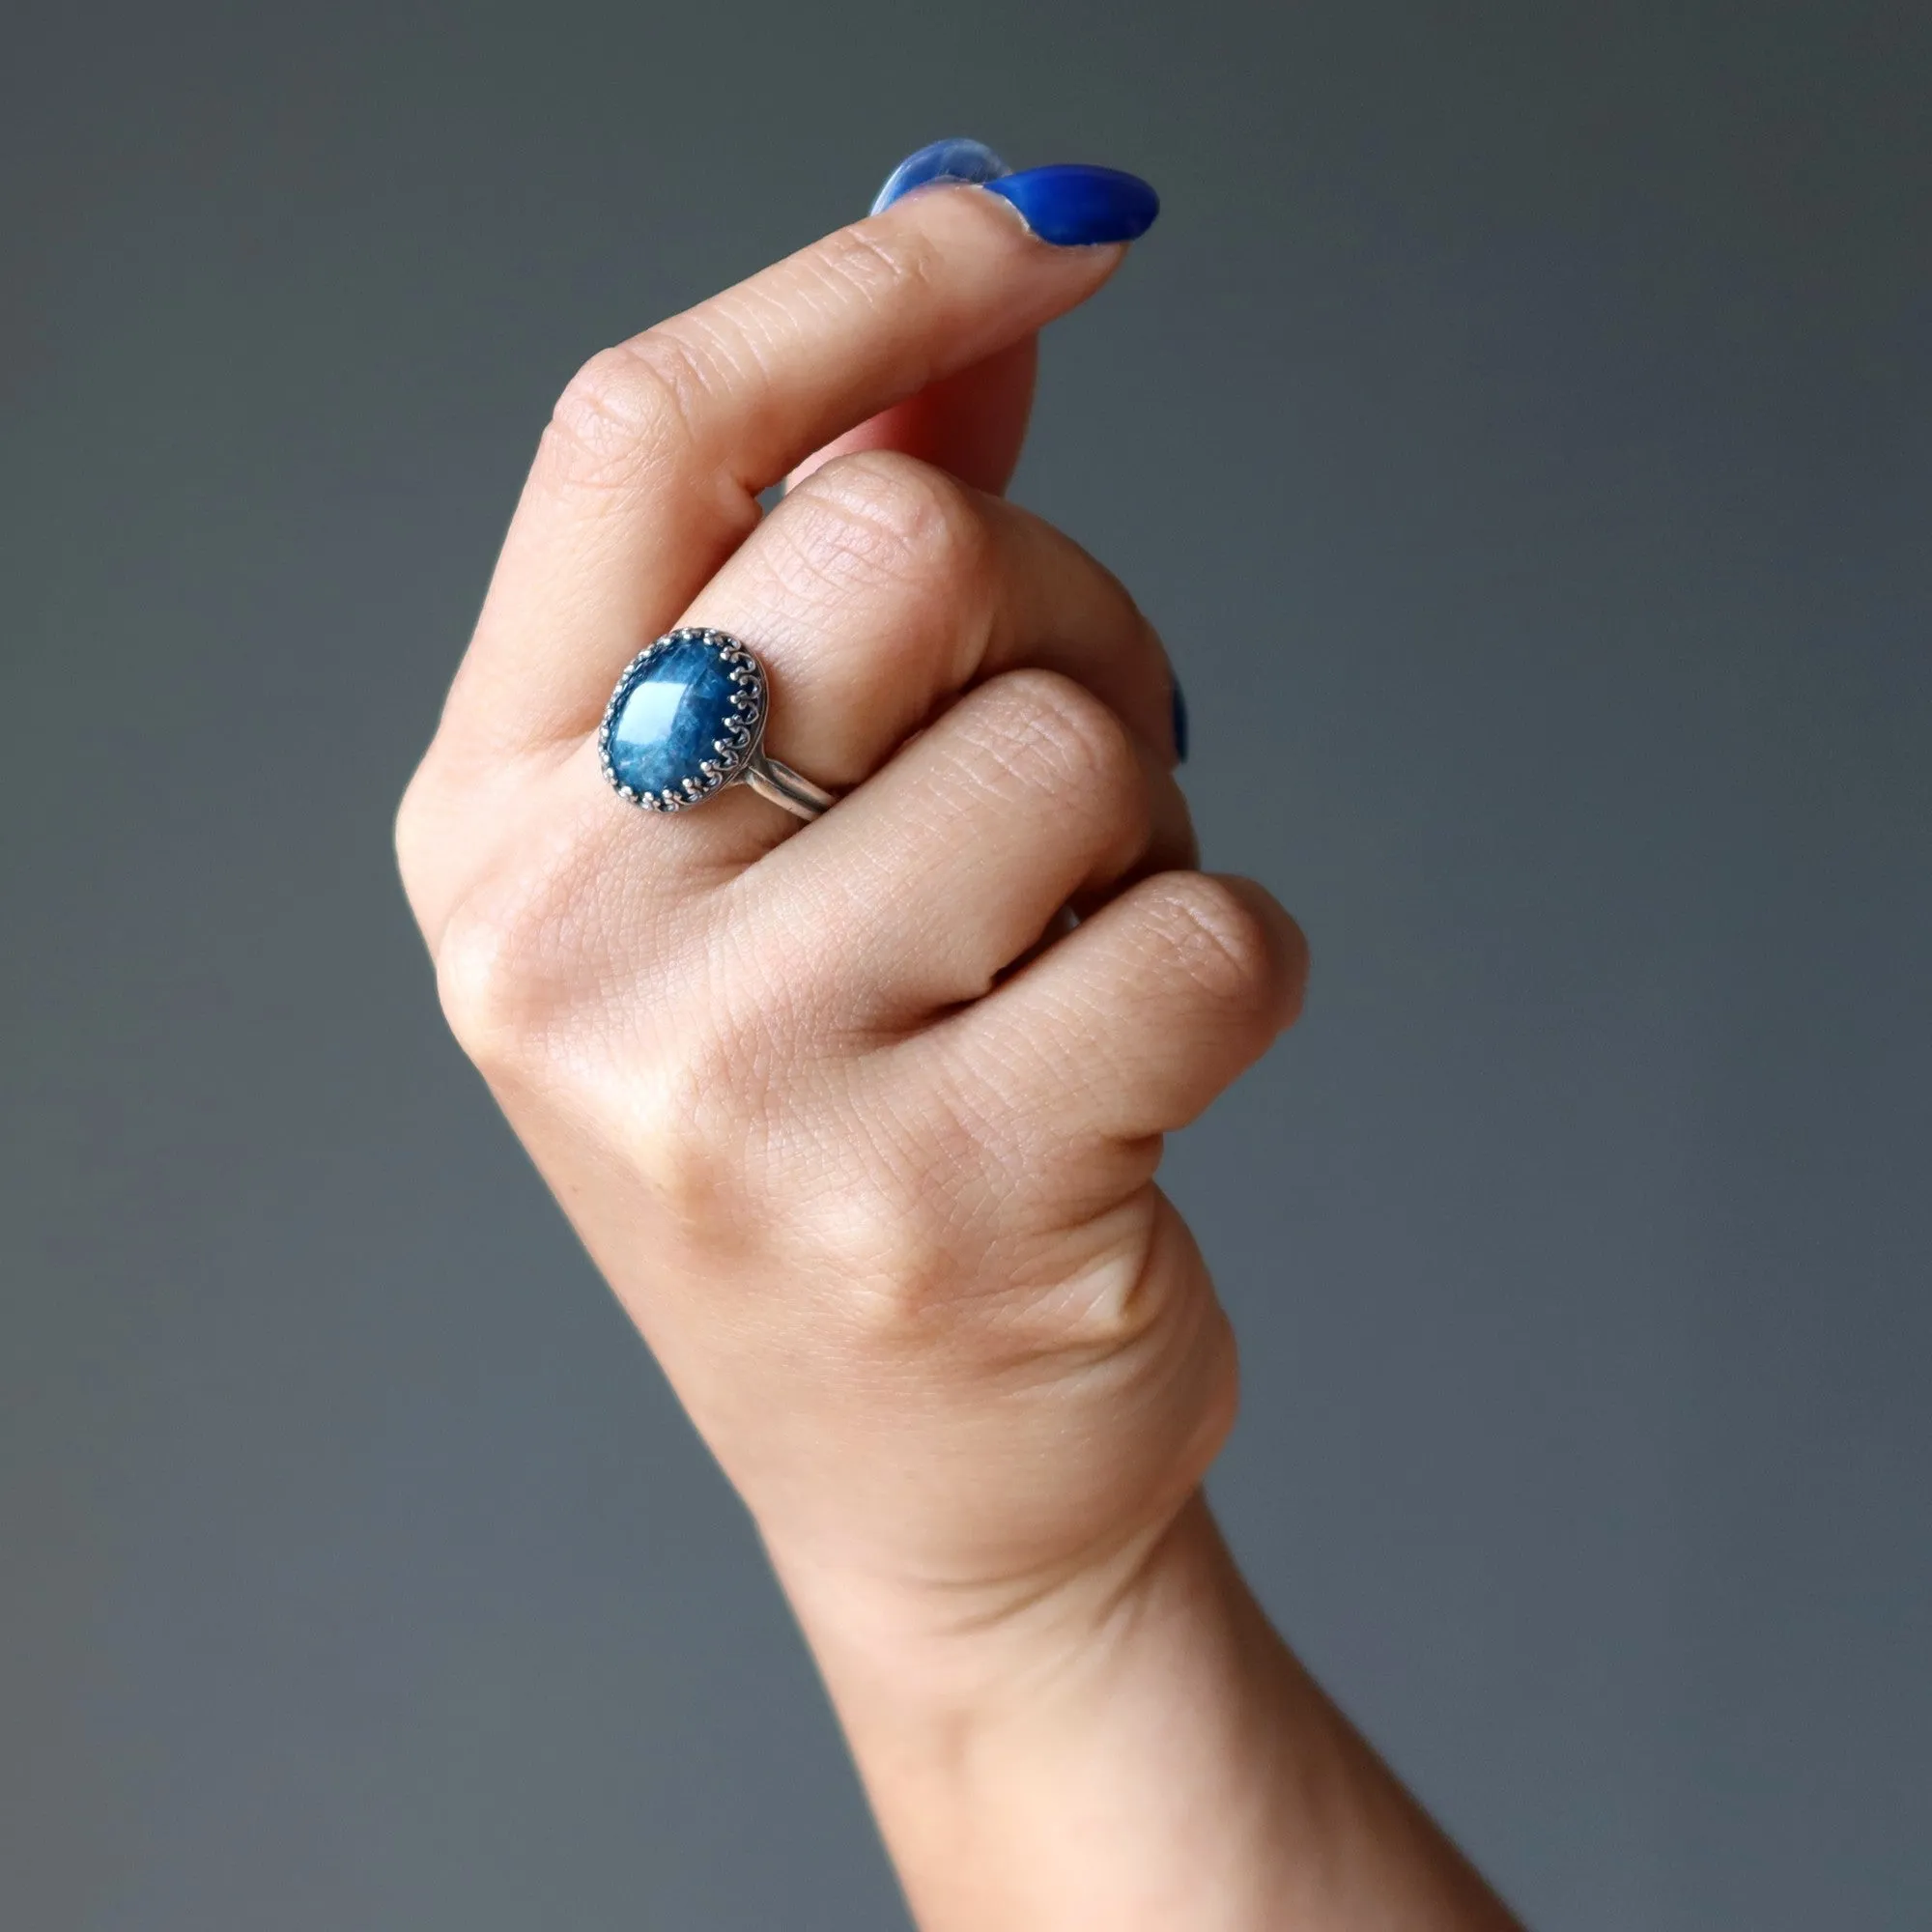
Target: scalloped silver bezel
column 730, row 753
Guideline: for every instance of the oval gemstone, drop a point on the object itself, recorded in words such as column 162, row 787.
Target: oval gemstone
column 671, row 714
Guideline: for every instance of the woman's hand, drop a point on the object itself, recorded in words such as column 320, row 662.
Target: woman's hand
column 883, row 1207
column 859, row 1132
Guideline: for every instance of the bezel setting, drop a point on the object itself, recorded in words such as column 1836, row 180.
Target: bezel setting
column 731, row 752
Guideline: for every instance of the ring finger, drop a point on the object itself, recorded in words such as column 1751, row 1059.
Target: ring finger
column 880, row 590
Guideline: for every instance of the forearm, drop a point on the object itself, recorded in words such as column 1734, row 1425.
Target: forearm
column 1128, row 1753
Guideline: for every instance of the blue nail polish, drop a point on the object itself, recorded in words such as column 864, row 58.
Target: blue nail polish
column 1179, row 725
column 958, row 160
column 1075, row 206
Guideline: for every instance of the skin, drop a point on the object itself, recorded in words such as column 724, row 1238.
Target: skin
column 860, row 1134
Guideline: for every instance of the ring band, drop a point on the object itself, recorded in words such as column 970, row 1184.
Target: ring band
column 783, row 785
column 688, row 719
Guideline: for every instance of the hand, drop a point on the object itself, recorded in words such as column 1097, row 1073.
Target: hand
column 859, row 1132
column 881, row 1207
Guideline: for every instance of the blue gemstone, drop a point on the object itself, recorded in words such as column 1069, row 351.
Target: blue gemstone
column 671, row 713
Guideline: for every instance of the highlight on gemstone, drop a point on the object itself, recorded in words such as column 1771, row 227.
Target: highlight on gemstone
column 684, row 720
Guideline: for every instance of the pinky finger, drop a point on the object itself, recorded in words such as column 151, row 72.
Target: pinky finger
column 1133, row 1024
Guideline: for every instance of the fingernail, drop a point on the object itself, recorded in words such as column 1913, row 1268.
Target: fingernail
column 1179, row 725
column 1075, row 206
column 959, row 160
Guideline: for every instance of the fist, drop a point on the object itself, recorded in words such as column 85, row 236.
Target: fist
column 858, row 1118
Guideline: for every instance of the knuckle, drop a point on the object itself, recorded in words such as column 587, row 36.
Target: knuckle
column 415, row 840
column 629, row 408
column 904, row 1216
column 1221, row 941
column 520, row 950
column 492, row 995
column 667, row 1097
column 685, row 1129
column 1048, row 733
column 877, row 518
column 897, row 1273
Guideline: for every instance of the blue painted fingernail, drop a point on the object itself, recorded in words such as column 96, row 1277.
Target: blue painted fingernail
column 1075, row 206
column 1179, row 725
column 959, row 160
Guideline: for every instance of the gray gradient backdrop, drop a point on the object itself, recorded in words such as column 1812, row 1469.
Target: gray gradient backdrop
column 1519, row 425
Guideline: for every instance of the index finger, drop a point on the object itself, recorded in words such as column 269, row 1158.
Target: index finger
column 649, row 472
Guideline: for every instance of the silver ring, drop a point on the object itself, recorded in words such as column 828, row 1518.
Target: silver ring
column 688, row 719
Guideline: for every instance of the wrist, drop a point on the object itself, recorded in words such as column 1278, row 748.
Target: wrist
column 1075, row 1754
column 960, row 1653
column 1132, row 1747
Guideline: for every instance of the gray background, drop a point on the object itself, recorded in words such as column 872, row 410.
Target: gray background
column 1518, row 423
